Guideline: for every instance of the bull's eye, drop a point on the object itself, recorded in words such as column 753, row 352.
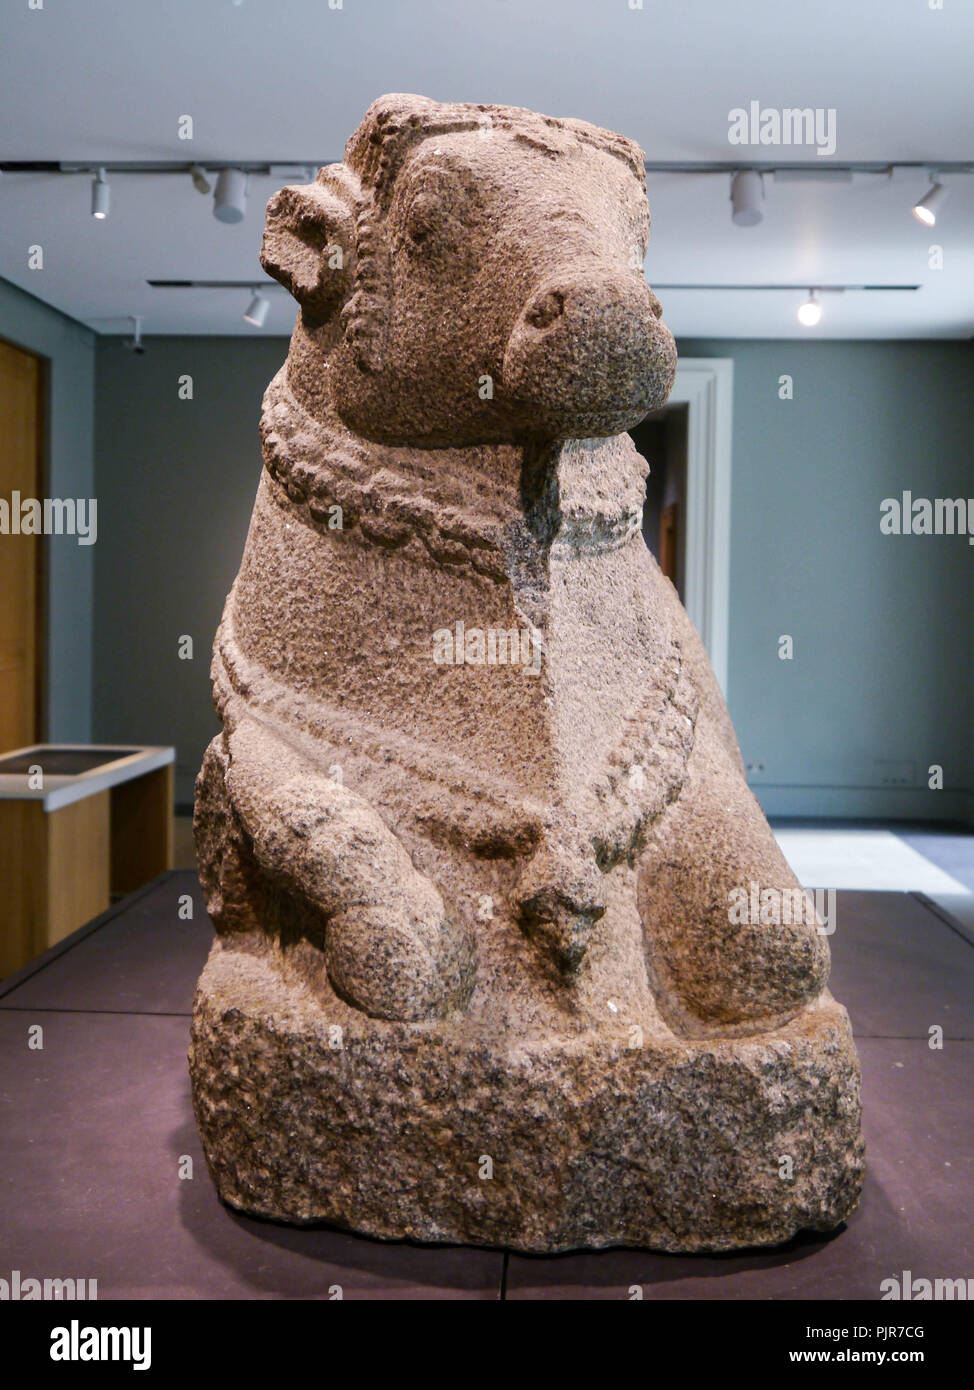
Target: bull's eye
column 545, row 310
column 422, row 219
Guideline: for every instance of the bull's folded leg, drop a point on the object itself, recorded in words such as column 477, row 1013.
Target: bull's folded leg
column 388, row 945
column 708, row 861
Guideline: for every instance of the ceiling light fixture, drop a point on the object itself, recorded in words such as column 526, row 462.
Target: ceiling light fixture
column 810, row 313
column 928, row 207
column 200, row 182
column 135, row 343
column 230, row 198
column 256, row 312
column 101, row 196
column 747, row 194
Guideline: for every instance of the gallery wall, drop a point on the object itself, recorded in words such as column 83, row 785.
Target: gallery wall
column 69, row 349
column 879, row 688
column 176, row 478
column 966, row 600
column 881, row 682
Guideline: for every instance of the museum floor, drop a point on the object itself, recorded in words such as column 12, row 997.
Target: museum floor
column 95, row 1125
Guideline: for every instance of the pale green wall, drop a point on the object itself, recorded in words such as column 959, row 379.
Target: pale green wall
column 69, row 447
column 882, row 629
column 881, row 624
column 968, row 812
column 177, row 480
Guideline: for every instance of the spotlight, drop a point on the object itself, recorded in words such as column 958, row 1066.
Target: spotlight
column 230, row 198
column 747, row 193
column 927, row 208
column 257, row 309
column 101, row 196
column 200, row 182
column 810, row 313
column 135, row 343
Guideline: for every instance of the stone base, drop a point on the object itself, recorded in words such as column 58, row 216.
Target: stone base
column 390, row 1129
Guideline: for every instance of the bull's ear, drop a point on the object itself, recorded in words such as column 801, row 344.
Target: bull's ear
column 309, row 242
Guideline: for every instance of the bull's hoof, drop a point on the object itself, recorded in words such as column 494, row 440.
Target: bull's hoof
column 405, row 962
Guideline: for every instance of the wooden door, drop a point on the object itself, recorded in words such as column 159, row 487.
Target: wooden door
column 21, row 415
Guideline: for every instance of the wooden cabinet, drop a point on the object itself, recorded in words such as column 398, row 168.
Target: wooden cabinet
column 67, row 846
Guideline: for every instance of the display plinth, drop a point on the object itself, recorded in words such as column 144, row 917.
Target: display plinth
column 440, row 1132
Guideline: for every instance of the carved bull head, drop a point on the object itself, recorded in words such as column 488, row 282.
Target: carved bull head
column 473, row 275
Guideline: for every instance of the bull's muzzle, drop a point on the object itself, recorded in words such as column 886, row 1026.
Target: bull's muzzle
column 588, row 357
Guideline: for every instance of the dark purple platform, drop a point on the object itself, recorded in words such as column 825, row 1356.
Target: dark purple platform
column 92, row 1129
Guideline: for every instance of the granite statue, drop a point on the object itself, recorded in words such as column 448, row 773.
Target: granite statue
column 473, row 831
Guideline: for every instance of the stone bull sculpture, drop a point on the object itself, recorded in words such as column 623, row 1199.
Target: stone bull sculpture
column 471, row 831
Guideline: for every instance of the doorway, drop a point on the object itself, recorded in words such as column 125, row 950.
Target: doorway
column 699, row 529
column 662, row 440
column 22, row 390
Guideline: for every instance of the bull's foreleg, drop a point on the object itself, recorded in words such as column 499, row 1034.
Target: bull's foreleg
column 712, row 967
column 389, row 947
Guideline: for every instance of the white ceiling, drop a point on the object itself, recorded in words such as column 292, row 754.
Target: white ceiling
column 286, row 81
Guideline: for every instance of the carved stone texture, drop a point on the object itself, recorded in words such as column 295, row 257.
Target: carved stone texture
column 473, row 831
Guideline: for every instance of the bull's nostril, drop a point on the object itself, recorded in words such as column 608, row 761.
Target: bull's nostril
column 546, row 309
